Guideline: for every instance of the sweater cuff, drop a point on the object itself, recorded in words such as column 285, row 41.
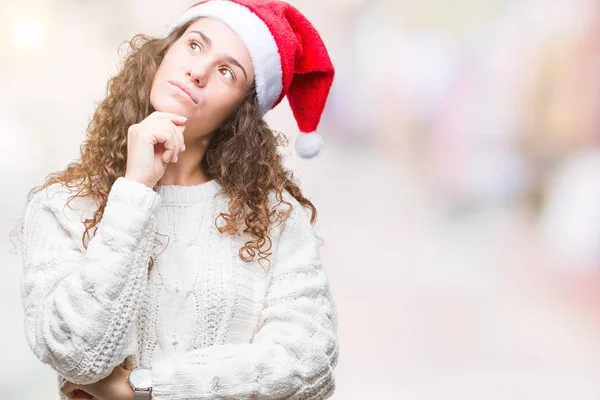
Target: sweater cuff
column 134, row 194
column 162, row 375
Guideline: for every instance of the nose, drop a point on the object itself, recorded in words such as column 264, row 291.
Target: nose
column 198, row 73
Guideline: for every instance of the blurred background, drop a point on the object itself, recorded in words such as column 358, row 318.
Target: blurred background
column 458, row 193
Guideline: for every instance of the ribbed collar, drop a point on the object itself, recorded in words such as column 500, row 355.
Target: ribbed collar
column 176, row 194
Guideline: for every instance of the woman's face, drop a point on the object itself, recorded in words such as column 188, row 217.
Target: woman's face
column 203, row 76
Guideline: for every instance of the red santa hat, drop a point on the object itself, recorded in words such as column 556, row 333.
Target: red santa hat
column 288, row 55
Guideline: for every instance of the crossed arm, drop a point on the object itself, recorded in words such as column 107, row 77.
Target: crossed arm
column 292, row 355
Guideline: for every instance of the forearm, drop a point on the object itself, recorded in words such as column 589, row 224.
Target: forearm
column 80, row 307
column 292, row 356
column 247, row 373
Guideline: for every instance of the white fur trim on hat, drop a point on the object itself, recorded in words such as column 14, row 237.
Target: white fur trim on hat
column 256, row 37
column 308, row 145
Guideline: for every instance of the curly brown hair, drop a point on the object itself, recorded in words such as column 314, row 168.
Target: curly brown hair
column 242, row 156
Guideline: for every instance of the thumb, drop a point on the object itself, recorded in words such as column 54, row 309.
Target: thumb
column 180, row 128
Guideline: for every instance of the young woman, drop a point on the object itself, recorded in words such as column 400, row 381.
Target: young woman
column 177, row 258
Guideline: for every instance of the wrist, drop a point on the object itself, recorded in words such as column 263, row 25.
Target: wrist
column 140, row 381
column 142, row 181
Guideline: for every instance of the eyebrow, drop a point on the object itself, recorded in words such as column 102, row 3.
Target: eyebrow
column 232, row 60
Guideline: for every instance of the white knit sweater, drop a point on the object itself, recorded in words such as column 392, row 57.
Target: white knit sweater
column 209, row 325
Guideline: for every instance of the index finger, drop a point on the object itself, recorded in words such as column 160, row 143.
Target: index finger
column 175, row 118
column 67, row 389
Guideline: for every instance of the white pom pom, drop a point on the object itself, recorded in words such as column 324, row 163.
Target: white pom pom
column 309, row 145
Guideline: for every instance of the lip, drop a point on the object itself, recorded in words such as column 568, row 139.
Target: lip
column 185, row 89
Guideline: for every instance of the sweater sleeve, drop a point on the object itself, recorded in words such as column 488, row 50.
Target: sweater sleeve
column 80, row 306
column 294, row 350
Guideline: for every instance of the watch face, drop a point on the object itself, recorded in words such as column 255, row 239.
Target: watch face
column 141, row 378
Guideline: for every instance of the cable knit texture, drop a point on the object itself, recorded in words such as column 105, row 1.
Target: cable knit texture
column 209, row 325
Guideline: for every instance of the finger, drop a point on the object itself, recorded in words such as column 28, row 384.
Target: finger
column 174, row 151
column 179, row 140
column 80, row 394
column 180, row 130
column 175, row 118
column 163, row 134
column 67, row 388
column 167, row 156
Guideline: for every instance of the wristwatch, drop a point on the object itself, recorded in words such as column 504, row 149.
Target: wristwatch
column 140, row 380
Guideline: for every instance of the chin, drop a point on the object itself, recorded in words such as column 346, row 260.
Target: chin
column 168, row 104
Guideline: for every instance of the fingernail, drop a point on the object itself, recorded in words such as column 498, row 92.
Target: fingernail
column 176, row 158
column 184, row 147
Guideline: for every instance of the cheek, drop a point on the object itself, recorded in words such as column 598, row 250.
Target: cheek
column 167, row 65
column 220, row 99
column 157, row 89
column 158, row 77
column 155, row 81
column 217, row 106
column 230, row 97
column 163, row 70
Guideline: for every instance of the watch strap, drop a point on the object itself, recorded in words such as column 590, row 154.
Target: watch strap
column 141, row 394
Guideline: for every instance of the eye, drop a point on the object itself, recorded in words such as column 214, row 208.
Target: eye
column 194, row 45
column 225, row 71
